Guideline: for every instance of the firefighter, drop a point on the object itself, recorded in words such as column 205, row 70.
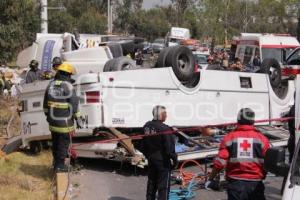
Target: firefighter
column 34, row 73
column 242, row 154
column 159, row 149
column 56, row 62
column 61, row 109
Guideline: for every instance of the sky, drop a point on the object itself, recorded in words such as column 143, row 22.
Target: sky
column 151, row 3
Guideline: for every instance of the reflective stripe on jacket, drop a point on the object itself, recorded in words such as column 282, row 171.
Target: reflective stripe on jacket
column 61, row 106
column 242, row 154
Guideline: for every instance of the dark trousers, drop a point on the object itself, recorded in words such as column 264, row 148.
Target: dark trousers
column 245, row 190
column 60, row 146
column 291, row 147
column 158, row 180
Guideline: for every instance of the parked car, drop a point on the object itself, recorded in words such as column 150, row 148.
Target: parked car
column 201, row 59
column 158, row 44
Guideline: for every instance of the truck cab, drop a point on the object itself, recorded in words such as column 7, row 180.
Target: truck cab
column 178, row 34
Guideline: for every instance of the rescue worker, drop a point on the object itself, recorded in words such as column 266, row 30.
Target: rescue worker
column 56, row 62
column 61, row 108
column 159, row 150
column 242, row 154
column 34, row 73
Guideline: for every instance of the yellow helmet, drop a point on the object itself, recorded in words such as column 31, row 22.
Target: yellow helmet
column 66, row 67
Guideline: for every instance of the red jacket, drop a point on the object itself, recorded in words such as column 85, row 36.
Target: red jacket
column 242, row 154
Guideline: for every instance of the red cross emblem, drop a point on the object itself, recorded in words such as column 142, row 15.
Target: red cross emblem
column 245, row 145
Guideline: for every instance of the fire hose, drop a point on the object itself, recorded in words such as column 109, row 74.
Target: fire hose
column 190, row 181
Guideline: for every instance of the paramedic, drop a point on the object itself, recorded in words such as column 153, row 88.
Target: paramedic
column 160, row 152
column 242, row 154
column 61, row 109
column 34, row 73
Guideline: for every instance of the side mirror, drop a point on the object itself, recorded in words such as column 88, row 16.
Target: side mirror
column 275, row 161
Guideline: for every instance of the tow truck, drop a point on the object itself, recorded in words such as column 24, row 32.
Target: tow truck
column 116, row 104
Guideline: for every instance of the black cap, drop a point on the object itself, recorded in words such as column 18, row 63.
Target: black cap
column 246, row 116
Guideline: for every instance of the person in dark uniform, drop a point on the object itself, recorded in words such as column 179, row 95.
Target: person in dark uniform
column 34, row 73
column 56, row 62
column 159, row 150
column 61, row 109
column 291, row 125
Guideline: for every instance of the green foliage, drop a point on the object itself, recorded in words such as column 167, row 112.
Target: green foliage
column 19, row 22
column 219, row 19
column 92, row 22
column 149, row 24
column 60, row 22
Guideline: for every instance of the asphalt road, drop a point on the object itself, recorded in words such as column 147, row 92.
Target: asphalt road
column 106, row 180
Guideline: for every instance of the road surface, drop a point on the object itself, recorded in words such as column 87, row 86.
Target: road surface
column 106, row 180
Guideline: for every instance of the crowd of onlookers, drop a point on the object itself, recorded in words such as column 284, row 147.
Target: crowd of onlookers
column 221, row 60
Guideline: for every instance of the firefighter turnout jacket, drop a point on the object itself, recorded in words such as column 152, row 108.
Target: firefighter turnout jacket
column 242, row 154
column 61, row 106
column 158, row 146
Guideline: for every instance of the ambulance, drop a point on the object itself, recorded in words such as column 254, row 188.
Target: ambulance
column 272, row 49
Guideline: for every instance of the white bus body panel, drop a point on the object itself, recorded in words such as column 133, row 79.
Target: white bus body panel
column 33, row 121
column 128, row 98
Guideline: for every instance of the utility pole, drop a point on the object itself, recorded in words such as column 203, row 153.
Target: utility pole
column 44, row 16
column 109, row 17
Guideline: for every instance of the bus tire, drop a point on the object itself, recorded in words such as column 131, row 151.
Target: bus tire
column 182, row 61
column 162, row 56
column 108, row 67
column 272, row 67
column 115, row 49
column 123, row 63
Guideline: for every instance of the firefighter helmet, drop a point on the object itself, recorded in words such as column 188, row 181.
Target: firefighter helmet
column 66, row 67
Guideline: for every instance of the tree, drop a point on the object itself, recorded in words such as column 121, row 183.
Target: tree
column 19, row 22
column 92, row 22
column 149, row 24
column 60, row 22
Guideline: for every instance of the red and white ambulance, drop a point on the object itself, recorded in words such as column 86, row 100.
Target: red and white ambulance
column 272, row 49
